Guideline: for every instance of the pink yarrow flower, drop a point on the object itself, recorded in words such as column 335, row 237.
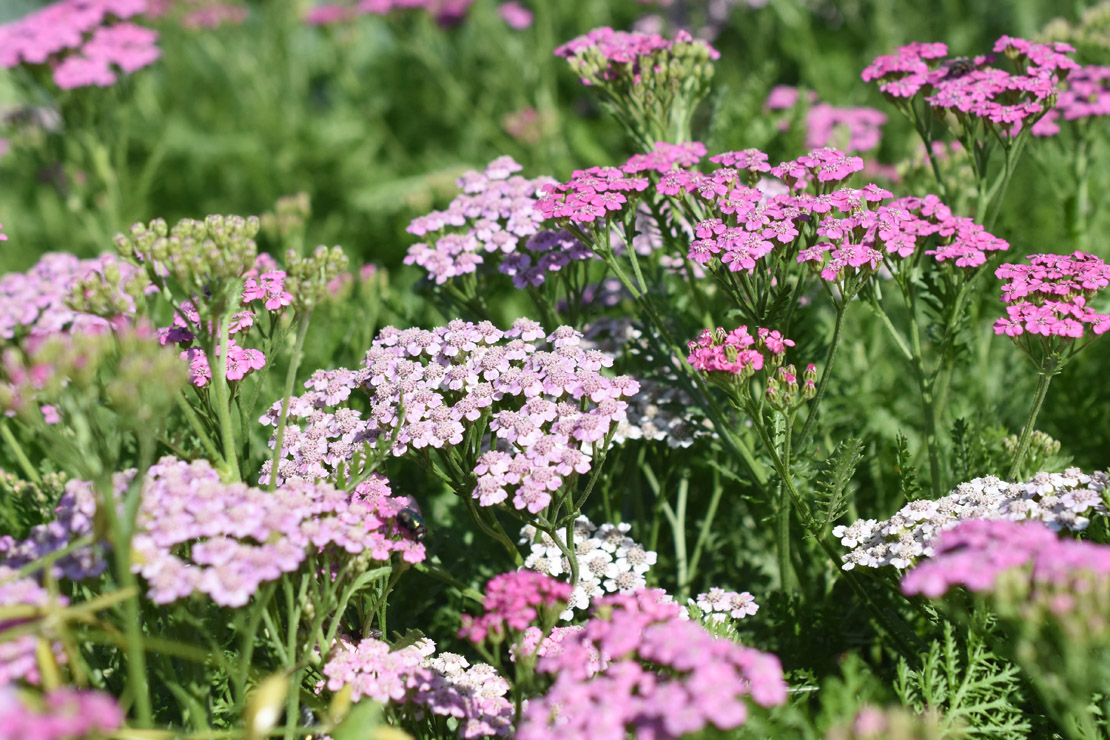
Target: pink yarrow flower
column 513, row 601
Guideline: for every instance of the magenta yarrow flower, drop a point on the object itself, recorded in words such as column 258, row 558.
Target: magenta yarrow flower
column 659, row 674
column 64, row 713
column 84, row 41
column 972, row 90
column 1086, row 94
column 1050, row 296
column 605, row 55
column 513, row 601
column 493, row 221
column 737, row 352
column 410, row 678
column 543, row 397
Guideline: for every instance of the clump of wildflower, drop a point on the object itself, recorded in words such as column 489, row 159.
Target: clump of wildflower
column 18, row 661
column 972, row 91
column 414, row 679
column 538, row 401
column 609, row 561
column 493, row 221
column 64, row 713
column 83, row 42
column 652, row 84
column 514, row 601
column 661, row 674
column 35, row 304
column 718, row 605
column 1049, row 297
column 1065, row 500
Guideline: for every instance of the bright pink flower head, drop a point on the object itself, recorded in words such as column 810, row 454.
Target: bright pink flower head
column 512, row 600
column 1050, row 295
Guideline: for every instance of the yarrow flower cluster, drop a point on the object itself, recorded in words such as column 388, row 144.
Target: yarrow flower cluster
column 514, row 601
column 445, row 12
column 1060, row 500
column 737, row 352
column 83, row 41
column 1050, row 295
column 195, row 533
column 977, row 553
column 604, row 55
column 61, row 714
column 73, row 519
column 609, row 561
column 413, row 678
column 18, row 660
column 718, row 605
column 850, row 129
column 1086, row 94
column 267, row 288
column 971, row 89
column 663, row 677
column 540, row 398
column 34, row 303
column 493, row 219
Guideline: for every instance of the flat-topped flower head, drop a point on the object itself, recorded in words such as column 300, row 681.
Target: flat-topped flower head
column 1050, row 297
column 1065, row 500
column 652, row 671
column 85, row 41
column 515, row 601
column 493, row 222
column 63, row 713
column 1086, row 94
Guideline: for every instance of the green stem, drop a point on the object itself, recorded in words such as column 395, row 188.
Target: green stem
column 1050, row 369
column 703, row 532
column 925, row 390
column 287, row 396
column 838, row 326
column 222, row 400
column 20, row 456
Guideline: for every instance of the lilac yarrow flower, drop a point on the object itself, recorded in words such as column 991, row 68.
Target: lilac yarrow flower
column 493, row 221
column 412, row 679
column 976, row 553
column 18, row 659
column 195, row 533
column 1065, row 500
column 35, row 302
column 84, row 41
column 662, row 675
column 541, row 398
column 73, row 519
column 64, row 713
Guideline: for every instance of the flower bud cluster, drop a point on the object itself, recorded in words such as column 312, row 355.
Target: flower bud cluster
column 1060, row 500
column 308, row 279
column 42, row 301
column 620, row 60
column 493, row 220
column 82, row 42
column 201, row 257
column 1049, row 296
column 737, row 352
column 609, row 561
column 972, row 91
column 115, row 369
column 288, row 217
column 413, row 678
column 538, row 401
column 515, row 601
column 63, row 713
column 662, row 675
